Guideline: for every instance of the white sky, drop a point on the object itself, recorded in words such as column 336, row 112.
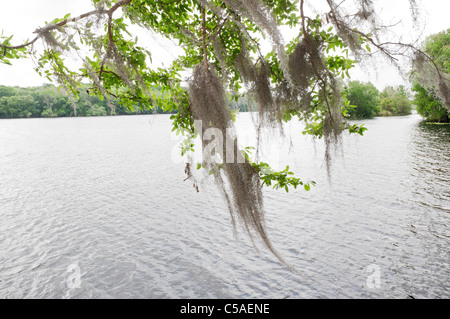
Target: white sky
column 22, row 17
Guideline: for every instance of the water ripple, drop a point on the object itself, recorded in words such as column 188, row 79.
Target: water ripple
column 86, row 197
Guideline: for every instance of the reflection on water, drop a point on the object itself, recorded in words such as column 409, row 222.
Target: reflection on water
column 102, row 199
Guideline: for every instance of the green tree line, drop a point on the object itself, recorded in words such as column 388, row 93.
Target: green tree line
column 368, row 102
column 48, row 101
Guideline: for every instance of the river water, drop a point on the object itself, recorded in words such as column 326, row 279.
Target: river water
column 97, row 208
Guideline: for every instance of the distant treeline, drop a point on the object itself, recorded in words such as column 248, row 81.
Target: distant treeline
column 369, row 102
column 394, row 101
column 48, row 101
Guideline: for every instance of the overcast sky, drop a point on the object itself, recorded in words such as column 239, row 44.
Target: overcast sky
column 22, row 17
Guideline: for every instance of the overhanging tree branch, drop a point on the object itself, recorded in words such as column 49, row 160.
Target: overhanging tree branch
column 50, row 27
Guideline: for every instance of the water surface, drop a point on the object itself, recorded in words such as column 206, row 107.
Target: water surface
column 103, row 200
